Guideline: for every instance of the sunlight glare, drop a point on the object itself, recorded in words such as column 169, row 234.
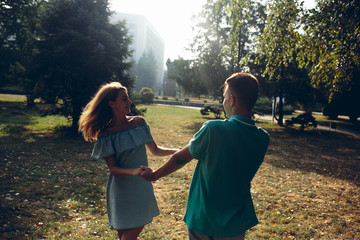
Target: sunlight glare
column 172, row 20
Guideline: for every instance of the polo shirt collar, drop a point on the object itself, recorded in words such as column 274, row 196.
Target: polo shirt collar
column 244, row 120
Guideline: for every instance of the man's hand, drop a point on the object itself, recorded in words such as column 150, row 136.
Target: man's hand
column 147, row 174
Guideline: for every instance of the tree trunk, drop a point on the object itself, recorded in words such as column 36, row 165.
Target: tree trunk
column 30, row 101
column 75, row 115
column 274, row 109
column 281, row 105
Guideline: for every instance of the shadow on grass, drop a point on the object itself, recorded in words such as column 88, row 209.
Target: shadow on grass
column 46, row 180
column 328, row 153
column 13, row 118
column 195, row 126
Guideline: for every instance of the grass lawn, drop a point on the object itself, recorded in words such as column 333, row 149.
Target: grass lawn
column 307, row 188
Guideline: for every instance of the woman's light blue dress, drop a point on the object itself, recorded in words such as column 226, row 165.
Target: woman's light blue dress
column 130, row 201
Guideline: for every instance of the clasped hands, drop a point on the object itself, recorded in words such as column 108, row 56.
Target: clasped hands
column 147, row 174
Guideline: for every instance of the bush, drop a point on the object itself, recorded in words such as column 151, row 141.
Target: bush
column 147, row 95
column 135, row 98
column 165, row 98
column 187, row 100
column 264, row 105
column 214, row 109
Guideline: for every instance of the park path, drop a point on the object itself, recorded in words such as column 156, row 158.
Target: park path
column 321, row 125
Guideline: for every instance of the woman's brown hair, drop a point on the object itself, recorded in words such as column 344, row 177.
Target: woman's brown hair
column 97, row 113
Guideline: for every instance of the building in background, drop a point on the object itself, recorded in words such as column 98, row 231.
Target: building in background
column 145, row 38
column 169, row 87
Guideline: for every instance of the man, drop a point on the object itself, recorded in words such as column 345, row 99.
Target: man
column 229, row 153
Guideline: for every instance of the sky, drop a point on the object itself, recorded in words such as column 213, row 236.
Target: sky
column 171, row 19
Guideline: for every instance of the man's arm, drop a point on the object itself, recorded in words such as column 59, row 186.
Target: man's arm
column 177, row 161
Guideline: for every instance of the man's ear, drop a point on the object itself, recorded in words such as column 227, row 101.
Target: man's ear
column 232, row 99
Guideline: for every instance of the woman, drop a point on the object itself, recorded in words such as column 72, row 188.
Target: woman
column 121, row 140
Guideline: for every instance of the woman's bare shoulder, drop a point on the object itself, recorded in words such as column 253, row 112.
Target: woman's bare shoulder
column 136, row 120
column 133, row 121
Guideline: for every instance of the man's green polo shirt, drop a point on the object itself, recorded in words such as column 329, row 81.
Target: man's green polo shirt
column 229, row 153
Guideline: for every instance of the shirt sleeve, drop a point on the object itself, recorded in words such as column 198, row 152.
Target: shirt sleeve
column 198, row 145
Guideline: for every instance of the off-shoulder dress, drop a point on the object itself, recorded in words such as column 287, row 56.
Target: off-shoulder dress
column 130, row 201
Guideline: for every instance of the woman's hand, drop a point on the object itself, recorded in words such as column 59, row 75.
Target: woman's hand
column 136, row 171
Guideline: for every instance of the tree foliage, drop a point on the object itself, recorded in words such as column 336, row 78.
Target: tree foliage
column 226, row 32
column 145, row 71
column 239, row 33
column 246, row 20
column 331, row 45
column 181, row 71
column 78, row 49
column 278, row 43
column 17, row 28
column 280, row 36
column 186, row 75
column 302, row 55
column 208, row 46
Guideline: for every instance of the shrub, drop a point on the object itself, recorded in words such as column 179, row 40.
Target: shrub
column 135, row 98
column 187, row 100
column 264, row 105
column 165, row 98
column 214, row 109
column 147, row 95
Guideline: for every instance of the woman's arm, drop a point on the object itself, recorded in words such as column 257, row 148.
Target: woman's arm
column 160, row 151
column 121, row 172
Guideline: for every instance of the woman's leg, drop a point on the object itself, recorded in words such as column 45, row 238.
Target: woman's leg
column 130, row 234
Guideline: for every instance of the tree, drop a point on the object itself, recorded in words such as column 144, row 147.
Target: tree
column 182, row 72
column 208, row 45
column 145, row 70
column 246, row 20
column 278, row 43
column 17, row 28
column 227, row 31
column 78, row 50
column 330, row 49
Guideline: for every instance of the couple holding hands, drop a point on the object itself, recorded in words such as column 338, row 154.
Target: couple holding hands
column 228, row 152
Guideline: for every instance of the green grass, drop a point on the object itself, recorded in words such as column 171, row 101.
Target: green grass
column 307, row 188
column 12, row 98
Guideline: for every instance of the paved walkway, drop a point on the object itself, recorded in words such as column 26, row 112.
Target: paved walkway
column 324, row 126
column 321, row 125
